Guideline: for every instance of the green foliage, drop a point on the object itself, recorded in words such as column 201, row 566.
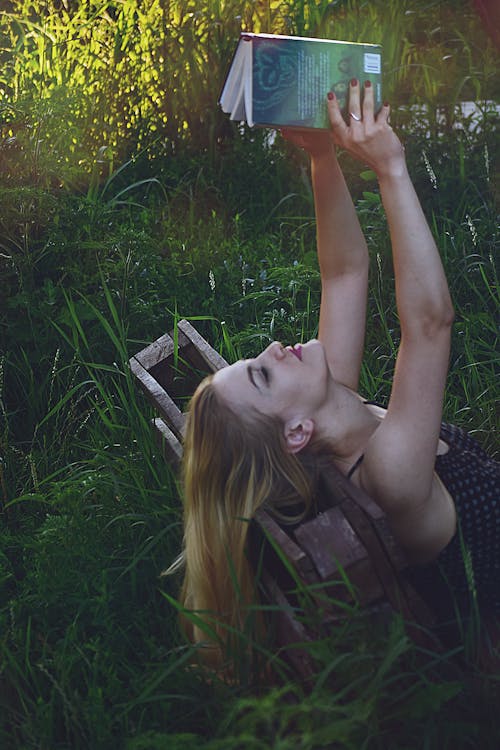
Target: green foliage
column 127, row 201
column 132, row 75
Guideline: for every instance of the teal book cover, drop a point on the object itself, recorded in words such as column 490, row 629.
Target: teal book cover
column 285, row 80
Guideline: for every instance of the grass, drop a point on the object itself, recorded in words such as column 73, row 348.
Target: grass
column 108, row 233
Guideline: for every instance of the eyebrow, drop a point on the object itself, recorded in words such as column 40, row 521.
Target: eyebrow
column 251, row 378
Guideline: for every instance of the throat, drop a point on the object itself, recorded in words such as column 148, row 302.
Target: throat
column 351, row 429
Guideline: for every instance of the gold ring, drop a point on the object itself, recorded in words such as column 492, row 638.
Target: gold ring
column 354, row 117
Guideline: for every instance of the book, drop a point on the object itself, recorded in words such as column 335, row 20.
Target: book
column 282, row 81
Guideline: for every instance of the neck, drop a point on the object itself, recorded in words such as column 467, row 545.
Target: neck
column 347, row 423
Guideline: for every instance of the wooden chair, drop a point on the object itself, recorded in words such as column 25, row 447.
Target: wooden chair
column 351, row 538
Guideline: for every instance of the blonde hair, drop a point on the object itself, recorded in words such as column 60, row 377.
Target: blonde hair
column 232, row 465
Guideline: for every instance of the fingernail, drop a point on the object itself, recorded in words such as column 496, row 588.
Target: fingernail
column 330, row 95
column 368, row 84
column 354, row 82
column 386, row 104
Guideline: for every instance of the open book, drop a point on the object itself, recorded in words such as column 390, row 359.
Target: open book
column 282, row 81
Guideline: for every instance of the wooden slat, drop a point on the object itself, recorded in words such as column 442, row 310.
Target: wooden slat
column 337, row 551
column 330, row 542
column 171, row 447
column 156, row 352
column 385, row 570
column 293, row 552
column 159, row 398
column 340, row 485
column 401, row 596
column 290, row 633
column 393, row 549
column 363, row 577
column 212, row 358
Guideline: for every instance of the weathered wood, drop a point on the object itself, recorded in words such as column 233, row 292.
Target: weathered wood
column 331, row 542
column 212, row 358
column 290, row 635
column 300, row 561
column 388, row 560
column 384, row 567
column 337, row 552
column 159, row 397
column 171, row 447
column 341, row 486
column 391, row 546
column 156, row 352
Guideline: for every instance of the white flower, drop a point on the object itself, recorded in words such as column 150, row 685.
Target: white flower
column 211, row 280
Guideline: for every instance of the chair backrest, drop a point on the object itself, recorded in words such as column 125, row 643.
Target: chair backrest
column 350, row 541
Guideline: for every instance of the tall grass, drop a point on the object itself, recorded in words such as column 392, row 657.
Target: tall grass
column 122, row 76
column 90, row 649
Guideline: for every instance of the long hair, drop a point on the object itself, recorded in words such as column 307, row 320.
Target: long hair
column 232, row 465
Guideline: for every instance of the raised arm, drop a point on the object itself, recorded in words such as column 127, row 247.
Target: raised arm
column 343, row 260
column 399, row 458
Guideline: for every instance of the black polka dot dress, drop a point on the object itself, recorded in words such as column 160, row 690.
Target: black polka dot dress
column 466, row 575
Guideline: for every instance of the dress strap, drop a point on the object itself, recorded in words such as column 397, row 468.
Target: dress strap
column 355, row 466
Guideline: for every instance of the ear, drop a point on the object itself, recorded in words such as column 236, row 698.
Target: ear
column 298, row 434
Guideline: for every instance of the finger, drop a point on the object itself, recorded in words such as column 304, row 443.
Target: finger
column 384, row 112
column 354, row 101
column 368, row 103
column 337, row 124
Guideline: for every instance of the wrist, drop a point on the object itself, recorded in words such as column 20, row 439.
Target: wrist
column 324, row 154
column 324, row 161
column 392, row 170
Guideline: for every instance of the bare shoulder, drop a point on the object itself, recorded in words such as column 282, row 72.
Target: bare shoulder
column 381, row 411
column 422, row 530
column 420, row 510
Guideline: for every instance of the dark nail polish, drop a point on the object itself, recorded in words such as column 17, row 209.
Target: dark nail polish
column 368, row 84
column 354, row 82
column 386, row 104
column 331, row 95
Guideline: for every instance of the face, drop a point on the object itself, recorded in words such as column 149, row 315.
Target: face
column 289, row 382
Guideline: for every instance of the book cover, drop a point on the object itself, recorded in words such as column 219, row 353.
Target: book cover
column 279, row 81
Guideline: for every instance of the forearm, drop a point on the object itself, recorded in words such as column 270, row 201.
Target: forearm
column 422, row 294
column 341, row 243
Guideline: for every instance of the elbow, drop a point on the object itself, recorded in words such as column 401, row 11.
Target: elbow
column 445, row 313
column 435, row 323
column 440, row 314
column 438, row 322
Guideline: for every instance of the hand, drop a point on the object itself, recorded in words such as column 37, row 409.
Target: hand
column 316, row 143
column 368, row 138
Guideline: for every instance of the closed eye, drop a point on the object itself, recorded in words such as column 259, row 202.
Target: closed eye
column 263, row 373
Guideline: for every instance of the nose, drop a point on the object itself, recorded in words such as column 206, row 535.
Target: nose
column 274, row 350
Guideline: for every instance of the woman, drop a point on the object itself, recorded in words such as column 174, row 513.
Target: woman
column 260, row 430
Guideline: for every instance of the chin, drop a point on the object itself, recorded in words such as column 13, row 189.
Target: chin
column 316, row 355
column 315, row 345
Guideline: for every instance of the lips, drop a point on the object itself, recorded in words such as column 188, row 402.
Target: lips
column 297, row 350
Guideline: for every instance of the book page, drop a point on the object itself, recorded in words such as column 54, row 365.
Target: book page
column 232, row 84
column 242, row 96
